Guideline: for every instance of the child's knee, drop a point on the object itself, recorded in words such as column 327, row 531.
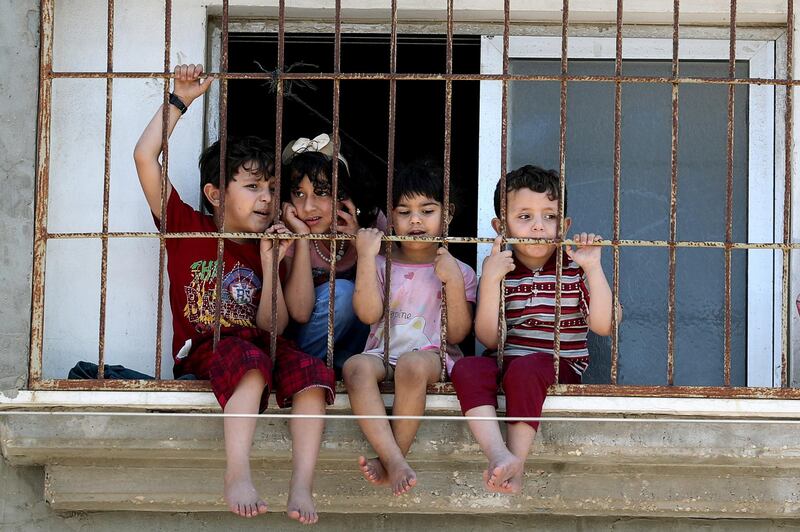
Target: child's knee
column 470, row 370
column 252, row 378
column 416, row 368
column 358, row 368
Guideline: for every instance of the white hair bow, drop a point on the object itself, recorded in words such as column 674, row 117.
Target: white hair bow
column 320, row 144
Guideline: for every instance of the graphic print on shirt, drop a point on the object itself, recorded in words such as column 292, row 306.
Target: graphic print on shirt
column 240, row 291
column 407, row 336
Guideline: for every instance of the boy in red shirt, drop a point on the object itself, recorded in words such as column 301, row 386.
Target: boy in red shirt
column 240, row 369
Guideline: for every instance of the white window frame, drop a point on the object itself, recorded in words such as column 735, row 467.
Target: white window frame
column 765, row 221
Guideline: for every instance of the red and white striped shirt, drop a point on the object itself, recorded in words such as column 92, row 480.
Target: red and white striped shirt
column 531, row 308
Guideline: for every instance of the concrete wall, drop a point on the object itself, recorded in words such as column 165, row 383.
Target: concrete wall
column 18, row 96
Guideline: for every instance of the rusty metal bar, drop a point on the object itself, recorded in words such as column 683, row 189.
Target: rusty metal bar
column 223, row 170
column 787, row 197
column 673, row 198
column 366, row 76
column 276, row 199
column 101, row 343
column 122, row 384
column 43, row 120
column 562, row 169
column 441, row 239
column 448, row 127
column 337, row 67
column 729, row 196
column 389, row 186
column 446, row 388
column 162, row 226
column 616, row 215
column 501, row 324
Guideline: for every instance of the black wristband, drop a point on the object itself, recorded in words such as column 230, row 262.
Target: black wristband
column 177, row 102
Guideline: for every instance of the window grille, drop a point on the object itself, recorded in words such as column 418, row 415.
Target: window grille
column 782, row 247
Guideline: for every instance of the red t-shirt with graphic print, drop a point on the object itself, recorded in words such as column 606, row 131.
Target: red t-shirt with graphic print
column 191, row 266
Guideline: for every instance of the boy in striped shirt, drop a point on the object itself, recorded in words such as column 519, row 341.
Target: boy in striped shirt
column 528, row 275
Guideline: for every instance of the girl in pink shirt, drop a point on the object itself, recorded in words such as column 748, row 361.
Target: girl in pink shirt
column 418, row 271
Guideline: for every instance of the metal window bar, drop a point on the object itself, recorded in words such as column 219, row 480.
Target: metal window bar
column 390, row 184
column 448, row 119
column 162, row 247
column 615, row 229
column 47, row 74
column 502, row 325
column 43, row 124
column 276, row 199
column 562, row 174
column 400, row 76
column 787, row 195
column 106, row 189
column 337, row 69
column 729, row 198
column 223, row 170
column 673, row 203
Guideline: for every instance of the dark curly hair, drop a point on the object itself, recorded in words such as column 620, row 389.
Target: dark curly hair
column 318, row 167
column 422, row 177
column 534, row 178
column 252, row 153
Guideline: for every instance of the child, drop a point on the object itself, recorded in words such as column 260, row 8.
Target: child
column 240, row 369
column 309, row 171
column 530, row 274
column 418, row 271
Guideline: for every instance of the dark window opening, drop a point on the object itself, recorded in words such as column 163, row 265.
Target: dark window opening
column 364, row 105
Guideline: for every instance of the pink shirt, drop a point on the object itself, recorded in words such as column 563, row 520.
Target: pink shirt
column 415, row 302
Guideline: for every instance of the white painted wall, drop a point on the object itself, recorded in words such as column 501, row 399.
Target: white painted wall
column 76, row 180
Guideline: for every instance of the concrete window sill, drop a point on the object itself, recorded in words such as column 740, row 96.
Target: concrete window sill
column 589, row 461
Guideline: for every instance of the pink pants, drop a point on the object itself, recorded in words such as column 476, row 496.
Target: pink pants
column 476, row 379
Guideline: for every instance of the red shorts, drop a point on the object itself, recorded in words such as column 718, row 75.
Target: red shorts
column 293, row 372
column 476, row 379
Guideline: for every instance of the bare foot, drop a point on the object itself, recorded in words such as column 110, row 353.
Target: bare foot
column 498, row 476
column 373, row 470
column 401, row 477
column 514, row 484
column 241, row 496
column 300, row 506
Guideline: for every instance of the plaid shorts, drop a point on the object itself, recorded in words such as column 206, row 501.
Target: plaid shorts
column 294, row 370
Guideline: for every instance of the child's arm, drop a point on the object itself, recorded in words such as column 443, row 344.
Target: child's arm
column 459, row 311
column 487, row 317
column 588, row 258
column 368, row 296
column 264, row 314
column 188, row 87
column 299, row 282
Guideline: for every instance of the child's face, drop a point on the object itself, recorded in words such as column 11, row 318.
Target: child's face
column 417, row 216
column 313, row 205
column 532, row 214
column 248, row 201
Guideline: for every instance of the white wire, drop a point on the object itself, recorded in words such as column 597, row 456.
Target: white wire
column 769, row 421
